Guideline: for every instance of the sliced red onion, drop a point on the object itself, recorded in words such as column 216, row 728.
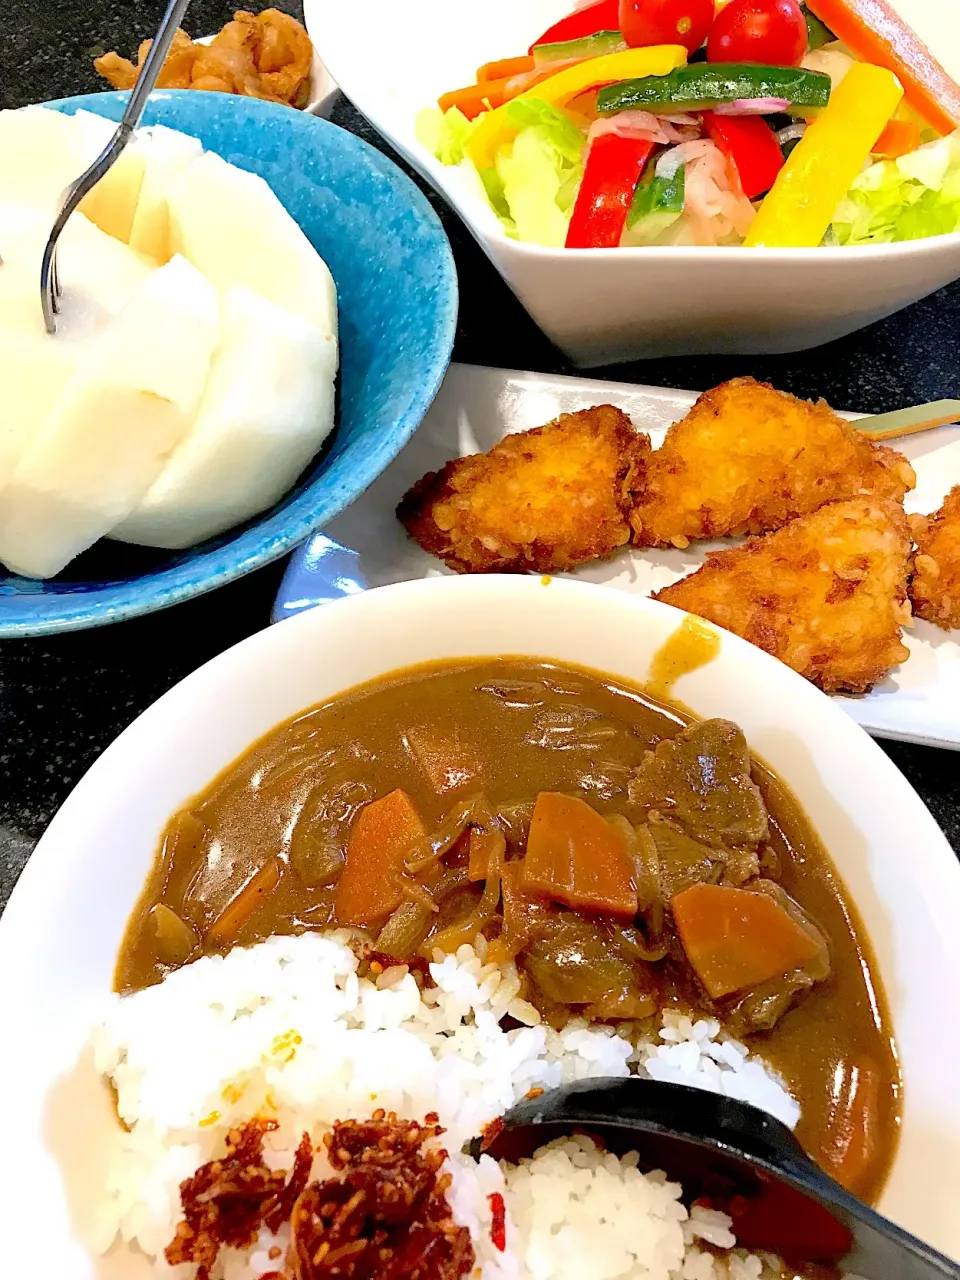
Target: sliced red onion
column 676, row 157
column 791, row 132
column 752, row 107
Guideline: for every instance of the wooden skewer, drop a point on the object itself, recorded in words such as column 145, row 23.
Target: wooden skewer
column 909, row 422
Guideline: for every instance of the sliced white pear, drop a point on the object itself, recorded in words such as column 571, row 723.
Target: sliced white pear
column 99, row 275
column 34, row 370
column 234, row 229
column 168, row 153
column 112, row 202
column 268, row 406
column 41, row 152
column 116, row 424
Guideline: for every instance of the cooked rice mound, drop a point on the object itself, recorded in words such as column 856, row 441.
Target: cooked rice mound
column 935, row 585
column 748, row 459
column 827, row 595
column 288, row 1031
column 542, row 500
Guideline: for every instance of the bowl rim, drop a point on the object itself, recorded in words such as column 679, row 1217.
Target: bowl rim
column 490, row 231
column 147, row 593
column 115, row 781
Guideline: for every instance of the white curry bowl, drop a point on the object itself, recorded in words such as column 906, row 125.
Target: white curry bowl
column 600, row 305
column 62, row 929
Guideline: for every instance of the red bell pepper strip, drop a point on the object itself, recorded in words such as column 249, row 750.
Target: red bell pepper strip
column 750, row 146
column 613, row 169
column 874, row 32
column 602, row 16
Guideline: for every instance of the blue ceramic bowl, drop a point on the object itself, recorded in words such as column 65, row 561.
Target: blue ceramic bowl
column 397, row 290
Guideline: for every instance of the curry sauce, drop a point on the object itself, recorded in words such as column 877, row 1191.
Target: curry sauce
column 472, row 744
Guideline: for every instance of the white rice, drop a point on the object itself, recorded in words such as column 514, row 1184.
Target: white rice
column 288, row 1028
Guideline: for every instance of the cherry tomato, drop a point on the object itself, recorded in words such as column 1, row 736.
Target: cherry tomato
column 647, row 22
column 770, row 31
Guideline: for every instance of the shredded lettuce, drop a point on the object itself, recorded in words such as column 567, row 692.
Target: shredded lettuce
column 916, row 196
column 533, row 184
column 444, row 133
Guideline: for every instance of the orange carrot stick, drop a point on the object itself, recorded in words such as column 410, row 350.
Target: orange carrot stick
column 505, row 68
column 476, row 98
column 898, row 139
column 874, row 32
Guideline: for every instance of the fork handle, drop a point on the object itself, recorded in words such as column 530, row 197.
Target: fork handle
column 150, row 71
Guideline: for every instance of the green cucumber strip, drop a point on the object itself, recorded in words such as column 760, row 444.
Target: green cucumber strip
column 649, row 227
column 586, row 47
column 657, row 196
column 701, row 86
column 818, row 33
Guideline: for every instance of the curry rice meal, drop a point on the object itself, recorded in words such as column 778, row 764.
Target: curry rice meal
column 403, row 910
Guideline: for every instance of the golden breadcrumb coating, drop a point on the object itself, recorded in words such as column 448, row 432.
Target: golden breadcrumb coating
column 542, row 500
column 748, row 459
column 935, row 586
column 827, row 594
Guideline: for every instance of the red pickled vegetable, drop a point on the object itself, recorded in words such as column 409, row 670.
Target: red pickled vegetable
column 386, row 832
column 576, row 857
column 498, row 1227
column 750, row 146
column 736, row 939
column 602, row 16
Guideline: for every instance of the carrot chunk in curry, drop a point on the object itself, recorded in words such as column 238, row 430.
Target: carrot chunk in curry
column 385, row 834
column 735, row 938
column 576, row 857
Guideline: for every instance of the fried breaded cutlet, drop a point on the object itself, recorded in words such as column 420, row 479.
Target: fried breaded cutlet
column 827, row 594
column 748, row 459
column 542, row 500
column 935, row 586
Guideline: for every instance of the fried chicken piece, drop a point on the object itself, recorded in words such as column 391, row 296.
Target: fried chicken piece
column 748, row 459
column 175, row 73
column 267, row 55
column 827, row 594
column 542, row 500
column 935, row 586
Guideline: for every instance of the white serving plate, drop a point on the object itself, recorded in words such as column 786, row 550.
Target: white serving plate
column 599, row 305
column 476, row 407
column 61, row 931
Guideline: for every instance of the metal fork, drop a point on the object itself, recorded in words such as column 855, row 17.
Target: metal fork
column 50, row 290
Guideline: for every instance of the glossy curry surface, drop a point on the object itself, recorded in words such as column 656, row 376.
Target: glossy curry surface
column 470, row 746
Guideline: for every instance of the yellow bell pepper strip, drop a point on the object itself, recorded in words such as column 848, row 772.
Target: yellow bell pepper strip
column 496, row 128
column 823, row 164
column 874, row 32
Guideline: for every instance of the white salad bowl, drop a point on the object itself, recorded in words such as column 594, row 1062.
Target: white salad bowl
column 61, row 932
column 599, row 305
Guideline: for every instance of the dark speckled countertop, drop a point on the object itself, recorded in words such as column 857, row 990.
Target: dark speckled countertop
column 62, row 700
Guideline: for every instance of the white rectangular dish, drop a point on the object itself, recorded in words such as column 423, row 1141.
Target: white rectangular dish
column 476, row 407
column 601, row 305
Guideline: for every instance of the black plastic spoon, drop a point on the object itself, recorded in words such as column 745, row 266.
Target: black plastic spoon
column 744, row 1160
